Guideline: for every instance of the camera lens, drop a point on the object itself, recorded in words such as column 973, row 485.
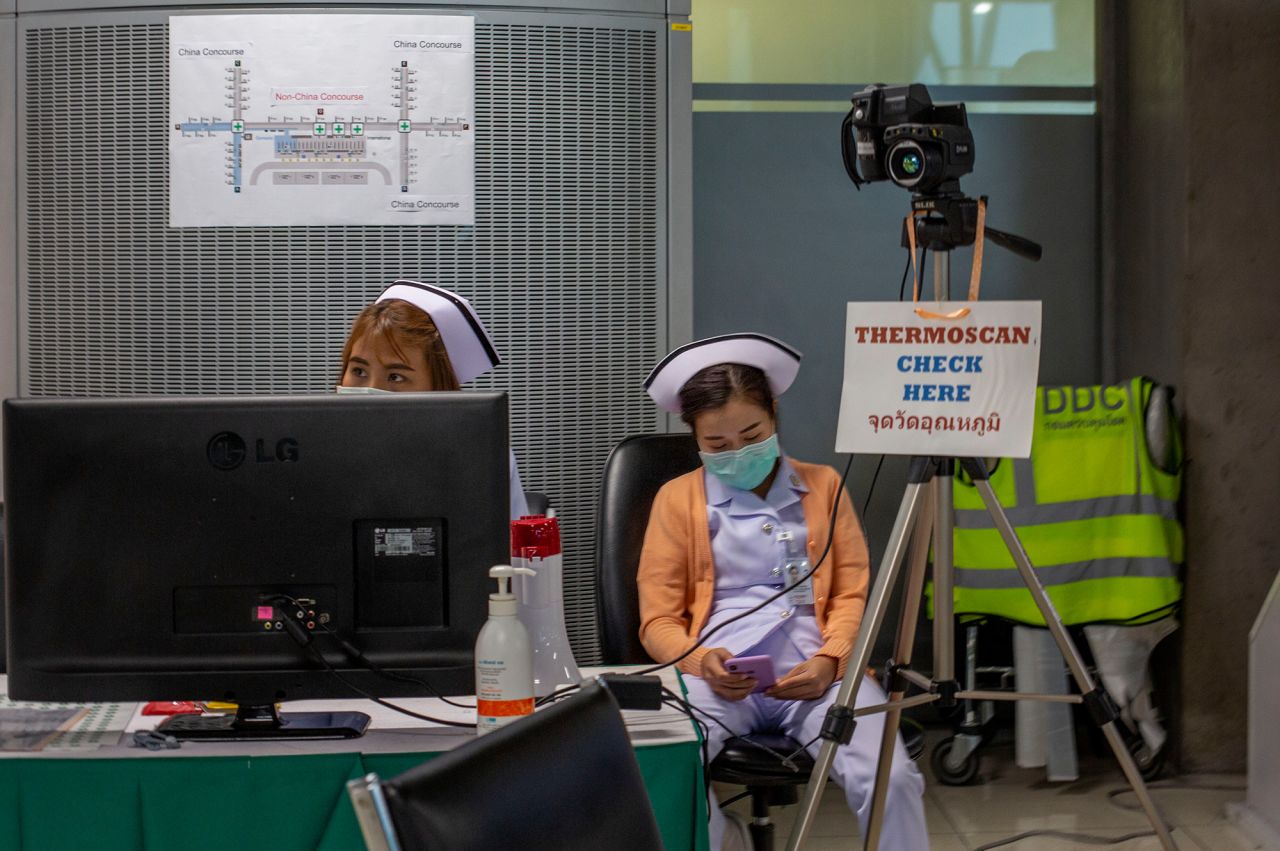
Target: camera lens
column 907, row 163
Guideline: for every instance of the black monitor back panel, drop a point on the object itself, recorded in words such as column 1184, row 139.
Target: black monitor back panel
column 155, row 545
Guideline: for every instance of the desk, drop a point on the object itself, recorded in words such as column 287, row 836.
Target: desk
column 283, row 796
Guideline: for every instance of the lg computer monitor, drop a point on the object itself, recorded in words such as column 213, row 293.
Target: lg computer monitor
column 153, row 545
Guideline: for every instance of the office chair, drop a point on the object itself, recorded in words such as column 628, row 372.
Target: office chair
column 3, row 646
column 636, row 469
column 562, row 779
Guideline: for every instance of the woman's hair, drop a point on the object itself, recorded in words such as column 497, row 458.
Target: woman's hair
column 405, row 327
column 713, row 387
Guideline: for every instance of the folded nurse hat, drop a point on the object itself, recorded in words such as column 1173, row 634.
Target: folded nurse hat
column 778, row 361
column 470, row 350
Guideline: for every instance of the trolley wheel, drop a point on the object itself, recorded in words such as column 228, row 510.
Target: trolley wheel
column 966, row 774
column 1150, row 765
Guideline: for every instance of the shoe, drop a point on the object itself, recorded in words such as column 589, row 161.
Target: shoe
column 737, row 834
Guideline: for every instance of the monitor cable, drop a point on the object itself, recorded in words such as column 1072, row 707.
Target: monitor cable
column 357, row 655
column 304, row 639
column 1112, row 797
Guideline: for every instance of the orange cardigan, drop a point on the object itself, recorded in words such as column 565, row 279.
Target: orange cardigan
column 676, row 578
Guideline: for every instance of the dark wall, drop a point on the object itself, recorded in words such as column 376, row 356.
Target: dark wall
column 1195, row 251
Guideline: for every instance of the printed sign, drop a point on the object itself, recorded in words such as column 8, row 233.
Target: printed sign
column 917, row 385
column 321, row 120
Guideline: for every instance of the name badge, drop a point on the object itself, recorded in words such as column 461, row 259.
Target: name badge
column 794, row 568
column 802, row 594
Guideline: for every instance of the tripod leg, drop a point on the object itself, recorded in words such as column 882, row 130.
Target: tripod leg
column 1100, row 705
column 944, row 626
column 872, row 619
column 903, row 647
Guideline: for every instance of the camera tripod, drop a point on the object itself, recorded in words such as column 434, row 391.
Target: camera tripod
column 926, row 515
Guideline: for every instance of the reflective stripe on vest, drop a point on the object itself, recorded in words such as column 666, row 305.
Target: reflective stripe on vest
column 1097, row 518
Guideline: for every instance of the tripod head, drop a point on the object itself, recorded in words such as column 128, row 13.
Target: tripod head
column 952, row 221
column 898, row 133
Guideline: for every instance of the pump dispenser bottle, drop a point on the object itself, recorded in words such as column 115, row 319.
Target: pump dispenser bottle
column 504, row 660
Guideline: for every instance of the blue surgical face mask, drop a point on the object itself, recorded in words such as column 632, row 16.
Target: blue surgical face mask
column 367, row 391
column 743, row 468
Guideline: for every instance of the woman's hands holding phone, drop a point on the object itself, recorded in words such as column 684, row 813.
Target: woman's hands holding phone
column 728, row 685
column 806, row 681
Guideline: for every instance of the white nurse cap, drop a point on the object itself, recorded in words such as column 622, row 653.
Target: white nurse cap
column 470, row 350
column 778, row 361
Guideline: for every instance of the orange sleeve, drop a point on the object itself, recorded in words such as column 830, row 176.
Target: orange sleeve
column 850, row 575
column 664, row 584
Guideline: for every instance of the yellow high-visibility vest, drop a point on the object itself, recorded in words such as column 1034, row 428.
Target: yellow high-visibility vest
column 1097, row 517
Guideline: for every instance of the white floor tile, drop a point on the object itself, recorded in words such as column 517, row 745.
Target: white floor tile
column 828, row 843
column 1188, row 807
column 1045, row 843
column 1012, row 808
column 935, row 818
column 946, row 843
column 1222, row 836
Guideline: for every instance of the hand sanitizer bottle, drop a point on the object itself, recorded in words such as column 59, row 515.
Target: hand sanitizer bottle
column 504, row 660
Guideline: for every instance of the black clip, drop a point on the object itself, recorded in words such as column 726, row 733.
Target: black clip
column 153, row 740
column 1102, row 708
column 838, row 724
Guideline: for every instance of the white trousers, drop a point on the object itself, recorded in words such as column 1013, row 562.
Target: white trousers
column 855, row 763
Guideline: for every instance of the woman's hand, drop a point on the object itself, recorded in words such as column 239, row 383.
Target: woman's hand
column 806, row 681
column 726, row 685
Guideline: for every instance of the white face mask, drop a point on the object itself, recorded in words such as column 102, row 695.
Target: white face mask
column 367, row 391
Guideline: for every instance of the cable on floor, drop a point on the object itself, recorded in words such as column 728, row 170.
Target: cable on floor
column 1113, row 797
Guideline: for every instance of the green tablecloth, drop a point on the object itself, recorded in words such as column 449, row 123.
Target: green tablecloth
column 282, row 803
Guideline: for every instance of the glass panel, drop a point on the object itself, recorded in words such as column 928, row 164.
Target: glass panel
column 940, row 42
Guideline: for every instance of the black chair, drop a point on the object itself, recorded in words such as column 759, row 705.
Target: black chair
column 3, row 653
column 636, row 469
column 562, row 779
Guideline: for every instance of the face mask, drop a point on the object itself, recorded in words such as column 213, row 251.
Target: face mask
column 366, row 391
column 743, row 468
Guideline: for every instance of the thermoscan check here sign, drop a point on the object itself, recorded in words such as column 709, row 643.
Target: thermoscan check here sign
column 940, row 378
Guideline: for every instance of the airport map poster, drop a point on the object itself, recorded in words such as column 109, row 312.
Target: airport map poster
column 940, row 378
column 321, row 120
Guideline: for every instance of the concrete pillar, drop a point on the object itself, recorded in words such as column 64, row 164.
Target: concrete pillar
column 1192, row 281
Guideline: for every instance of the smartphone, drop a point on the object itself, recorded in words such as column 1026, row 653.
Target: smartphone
column 759, row 668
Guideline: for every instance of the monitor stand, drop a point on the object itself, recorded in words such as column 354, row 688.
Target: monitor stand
column 262, row 722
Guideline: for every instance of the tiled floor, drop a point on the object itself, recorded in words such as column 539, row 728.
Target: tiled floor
column 1010, row 800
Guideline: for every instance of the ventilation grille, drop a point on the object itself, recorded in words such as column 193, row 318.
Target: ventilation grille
column 563, row 261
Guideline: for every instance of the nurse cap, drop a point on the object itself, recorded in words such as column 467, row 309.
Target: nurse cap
column 470, row 350
column 778, row 361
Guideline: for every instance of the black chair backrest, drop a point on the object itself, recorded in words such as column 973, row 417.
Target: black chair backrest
column 636, row 469
column 562, row 779
column 3, row 653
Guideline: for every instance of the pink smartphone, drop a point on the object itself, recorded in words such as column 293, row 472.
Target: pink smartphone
column 759, row 668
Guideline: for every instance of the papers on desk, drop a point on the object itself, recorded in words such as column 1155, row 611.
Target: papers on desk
column 88, row 727
column 23, row 729
column 32, row 728
column 101, row 727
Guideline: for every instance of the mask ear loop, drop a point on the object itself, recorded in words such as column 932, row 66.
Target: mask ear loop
column 975, row 273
